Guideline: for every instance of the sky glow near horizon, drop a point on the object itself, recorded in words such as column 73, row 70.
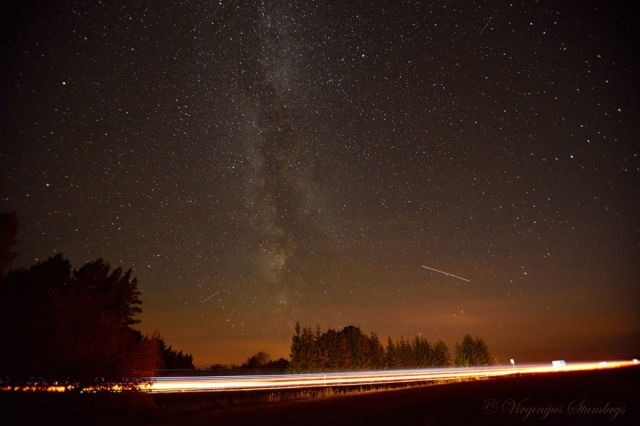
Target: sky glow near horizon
column 262, row 163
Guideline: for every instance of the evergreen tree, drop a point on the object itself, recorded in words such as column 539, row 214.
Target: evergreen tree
column 394, row 361
column 350, row 349
column 321, row 353
column 303, row 349
column 473, row 352
column 295, row 365
column 172, row 359
column 336, row 347
column 405, row 353
column 309, row 350
column 441, row 356
column 376, row 351
column 422, row 353
column 295, row 343
column 358, row 347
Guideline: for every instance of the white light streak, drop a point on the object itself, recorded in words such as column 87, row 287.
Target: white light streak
column 494, row 14
column 211, row 296
column 446, row 273
column 289, row 381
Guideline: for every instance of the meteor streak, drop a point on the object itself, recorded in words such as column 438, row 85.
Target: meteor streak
column 446, row 273
column 494, row 14
column 211, row 296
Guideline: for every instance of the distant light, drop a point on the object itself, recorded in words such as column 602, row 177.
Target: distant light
column 603, row 364
column 512, row 361
column 635, row 361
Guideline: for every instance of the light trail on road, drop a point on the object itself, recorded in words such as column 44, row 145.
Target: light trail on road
column 294, row 381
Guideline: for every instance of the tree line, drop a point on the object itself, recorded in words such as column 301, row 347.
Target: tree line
column 73, row 325
column 349, row 349
column 77, row 325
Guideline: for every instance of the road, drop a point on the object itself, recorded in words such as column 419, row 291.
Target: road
column 292, row 381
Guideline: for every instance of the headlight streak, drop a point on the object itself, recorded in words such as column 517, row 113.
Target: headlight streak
column 293, row 381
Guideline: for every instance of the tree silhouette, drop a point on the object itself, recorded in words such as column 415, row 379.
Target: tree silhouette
column 350, row 349
column 440, row 353
column 473, row 352
column 393, row 356
column 376, row 352
column 60, row 324
column 300, row 350
column 172, row 359
column 116, row 290
column 358, row 348
column 258, row 360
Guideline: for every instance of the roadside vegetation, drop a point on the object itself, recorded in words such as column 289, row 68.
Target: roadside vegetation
column 73, row 329
column 349, row 349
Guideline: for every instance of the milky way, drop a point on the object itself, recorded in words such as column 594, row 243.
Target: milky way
column 259, row 163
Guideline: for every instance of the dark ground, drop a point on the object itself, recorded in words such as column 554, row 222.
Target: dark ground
column 609, row 397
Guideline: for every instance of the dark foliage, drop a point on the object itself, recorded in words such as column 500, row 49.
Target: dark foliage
column 262, row 361
column 72, row 326
column 172, row 359
column 63, row 325
column 473, row 352
column 350, row 349
column 258, row 360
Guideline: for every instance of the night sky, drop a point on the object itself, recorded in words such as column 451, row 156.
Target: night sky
column 258, row 163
